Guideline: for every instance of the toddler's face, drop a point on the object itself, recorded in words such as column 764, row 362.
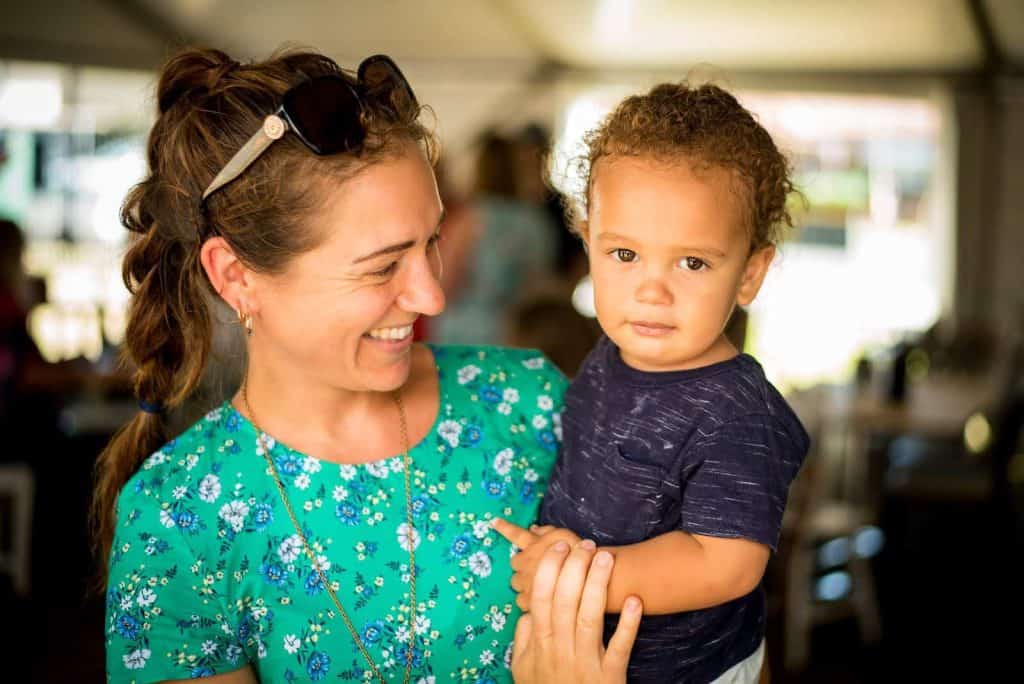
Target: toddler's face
column 670, row 258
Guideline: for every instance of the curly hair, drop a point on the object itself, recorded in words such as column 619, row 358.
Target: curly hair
column 706, row 126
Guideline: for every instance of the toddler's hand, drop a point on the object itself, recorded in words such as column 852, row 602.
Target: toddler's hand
column 532, row 544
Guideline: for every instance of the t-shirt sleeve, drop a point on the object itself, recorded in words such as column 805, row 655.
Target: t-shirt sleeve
column 165, row 614
column 738, row 485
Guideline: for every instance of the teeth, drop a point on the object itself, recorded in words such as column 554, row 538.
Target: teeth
column 391, row 333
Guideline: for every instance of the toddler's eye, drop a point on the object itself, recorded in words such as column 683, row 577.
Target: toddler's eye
column 624, row 255
column 693, row 264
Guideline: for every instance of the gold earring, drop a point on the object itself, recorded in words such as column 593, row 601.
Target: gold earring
column 246, row 320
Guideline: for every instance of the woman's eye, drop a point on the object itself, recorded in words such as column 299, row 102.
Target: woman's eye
column 386, row 271
column 624, row 255
column 694, row 264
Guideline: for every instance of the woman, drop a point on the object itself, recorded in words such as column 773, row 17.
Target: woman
column 331, row 520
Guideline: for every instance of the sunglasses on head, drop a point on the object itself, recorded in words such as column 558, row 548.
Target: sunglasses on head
column 324, row 113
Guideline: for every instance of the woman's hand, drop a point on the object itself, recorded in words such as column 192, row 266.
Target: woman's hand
column 532, row 544
column 560, row 639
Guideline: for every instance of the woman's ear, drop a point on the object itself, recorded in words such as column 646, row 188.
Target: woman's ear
column 228, row 275
column 753, row 274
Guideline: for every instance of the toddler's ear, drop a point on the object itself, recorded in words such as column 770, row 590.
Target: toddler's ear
column 754, row 273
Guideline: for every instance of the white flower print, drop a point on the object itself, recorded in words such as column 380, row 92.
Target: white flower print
column 535, row 363
column 322, row 563
column 497, row 621
column 265, row 443
column 402, row 634
column 407, row 536
column 450, row 431
column 154, row 460
column 511, row 395
column 396, row 464
column 209, row 488
column 487, row 657
column 191, row 461
column 377, row 468
column 422, row 624
column 508, row 657
column 544, row 403
column 146, row 597
column 340, row 493
column 213, row 416
column 179, row 492
column 166, row 519
column 530, row 475
column 233, row 652
column 504, row 408
column 481, row 528
column 261, row 649
column 292, row 643
column 427, row 680
column 311, row 465
column 503, row 461
column 468, row 374
column 302, row 480
column 347, row 471
column 290, row 549
column 209, row 647
column 136, row 660
column 126, row 603
column 540, row 422
column 234, row 513
column 480, row 564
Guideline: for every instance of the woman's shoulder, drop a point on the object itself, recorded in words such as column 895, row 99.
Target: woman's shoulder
column 524, row 369
column 189, row 463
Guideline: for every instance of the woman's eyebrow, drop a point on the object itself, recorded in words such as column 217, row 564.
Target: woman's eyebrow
column 393, row 249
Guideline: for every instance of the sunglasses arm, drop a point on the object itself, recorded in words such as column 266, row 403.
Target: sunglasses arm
column 274, row 126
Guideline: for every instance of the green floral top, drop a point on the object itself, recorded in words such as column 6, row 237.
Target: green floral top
column 207, row 573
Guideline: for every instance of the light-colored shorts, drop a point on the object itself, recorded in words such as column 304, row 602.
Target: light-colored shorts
column 747, row 671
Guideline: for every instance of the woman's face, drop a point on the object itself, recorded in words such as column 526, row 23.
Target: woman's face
column 342, row 313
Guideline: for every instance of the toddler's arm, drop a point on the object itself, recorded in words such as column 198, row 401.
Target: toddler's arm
column 671, row 573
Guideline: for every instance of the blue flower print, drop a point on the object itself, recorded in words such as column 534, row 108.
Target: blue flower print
column 347, row 514
column 527, row 492
column 274, row 574
column 460, row 546
column 490, row 394
column 262, row 515
column 128, row 627
column 201, row 671
column 232, row 423
column 314, row 585
column 493, row 488
column 185, row 520
column 373, row 632
column 547, row 440
column 403, row 655
column 419, row 504
column 318, row 665
column 471, row 435
column 288, row 463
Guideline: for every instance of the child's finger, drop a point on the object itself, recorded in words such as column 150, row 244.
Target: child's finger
column 514, row 533
column 616, row 657
column 541, row 530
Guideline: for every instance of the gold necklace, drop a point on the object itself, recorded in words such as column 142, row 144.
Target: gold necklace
column 406, row 466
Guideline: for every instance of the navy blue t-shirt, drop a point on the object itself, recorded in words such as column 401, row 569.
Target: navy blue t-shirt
column 709, row 451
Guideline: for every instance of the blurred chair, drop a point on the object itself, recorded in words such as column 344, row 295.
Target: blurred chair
column 17, row 485
column 818, row 519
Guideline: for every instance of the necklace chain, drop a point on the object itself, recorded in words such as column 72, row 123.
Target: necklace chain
column 406, row 467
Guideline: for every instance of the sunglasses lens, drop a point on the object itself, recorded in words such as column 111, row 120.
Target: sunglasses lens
column 384, row 85
column 325, row 112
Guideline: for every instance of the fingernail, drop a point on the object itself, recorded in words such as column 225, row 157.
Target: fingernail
column 560, row 547
column 603, row 559
column 494, row 523
column 632, row 604
column 588, row 544
column 534, row 528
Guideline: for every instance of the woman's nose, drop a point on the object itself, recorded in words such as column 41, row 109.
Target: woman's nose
column 422, row 293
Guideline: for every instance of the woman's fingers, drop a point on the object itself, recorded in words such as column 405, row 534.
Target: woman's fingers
column 569, row 590
column 514, row 533
column 522, row 637
column 523, row 601
column 543, row 590
column 616, row 657
column 590, row 620
column 518, row 583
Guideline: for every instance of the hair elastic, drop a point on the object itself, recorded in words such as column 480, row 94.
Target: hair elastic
column 148, row 407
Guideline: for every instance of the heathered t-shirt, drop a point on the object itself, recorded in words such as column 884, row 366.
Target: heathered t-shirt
column 709, row 451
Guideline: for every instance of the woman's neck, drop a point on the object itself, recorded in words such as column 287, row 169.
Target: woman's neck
column 322, row 420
